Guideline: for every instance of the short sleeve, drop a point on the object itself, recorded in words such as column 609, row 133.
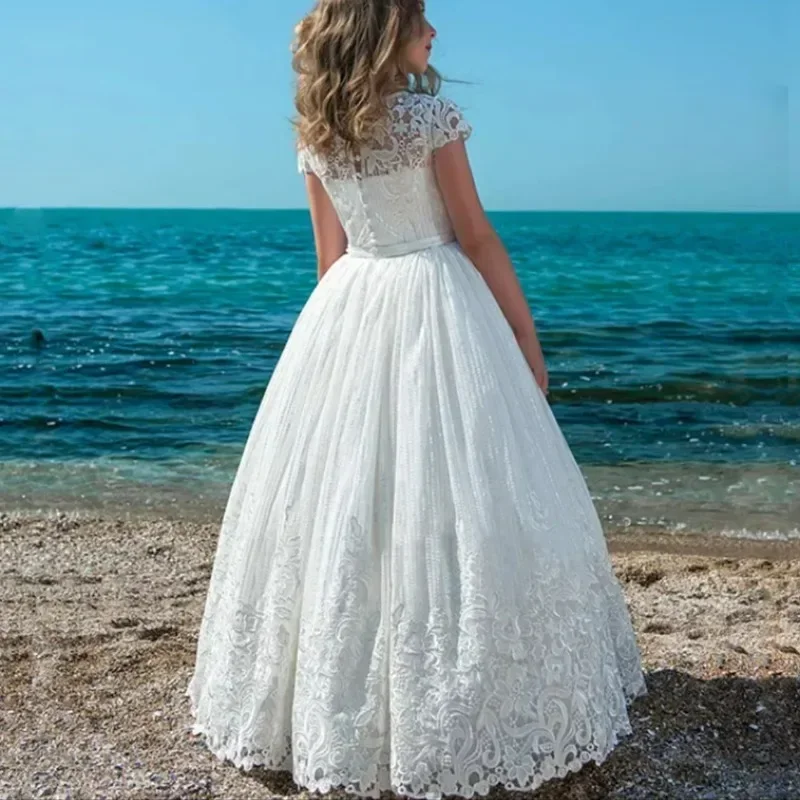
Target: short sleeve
column 448, row 123
column 303, row 161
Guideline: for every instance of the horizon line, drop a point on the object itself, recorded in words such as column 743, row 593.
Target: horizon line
column 259, row 209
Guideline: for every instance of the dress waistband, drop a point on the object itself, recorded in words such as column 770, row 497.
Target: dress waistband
column 399, row 248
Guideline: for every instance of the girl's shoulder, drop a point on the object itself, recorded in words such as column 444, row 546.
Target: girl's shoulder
column 431, row 104
column 417, row 124
column 437, row 115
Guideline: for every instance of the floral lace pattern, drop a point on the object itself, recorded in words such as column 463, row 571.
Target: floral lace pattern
column 387, row 193
column 415, row 126
column 510, row 695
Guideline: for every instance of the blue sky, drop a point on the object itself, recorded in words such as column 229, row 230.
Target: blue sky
column 577, row 105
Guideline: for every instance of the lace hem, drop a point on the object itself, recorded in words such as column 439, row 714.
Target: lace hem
column 525, row 776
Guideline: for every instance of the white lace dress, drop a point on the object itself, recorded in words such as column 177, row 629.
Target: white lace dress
column 412, row 589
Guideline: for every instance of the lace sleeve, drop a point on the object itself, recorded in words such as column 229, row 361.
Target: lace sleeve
column 448, row 123
column 303, row 161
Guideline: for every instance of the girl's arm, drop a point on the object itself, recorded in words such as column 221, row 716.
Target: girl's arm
column 482, row 245
column 330, row 241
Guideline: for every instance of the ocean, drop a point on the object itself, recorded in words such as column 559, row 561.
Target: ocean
column 135, row 347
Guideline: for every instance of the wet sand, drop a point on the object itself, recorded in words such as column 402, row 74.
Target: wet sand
column 97, row 642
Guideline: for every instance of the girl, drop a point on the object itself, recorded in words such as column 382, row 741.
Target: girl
column 412, row 589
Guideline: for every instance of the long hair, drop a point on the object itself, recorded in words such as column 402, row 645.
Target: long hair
column 347, row 56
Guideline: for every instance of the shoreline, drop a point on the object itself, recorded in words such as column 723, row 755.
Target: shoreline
column 99, row 628
column 630, row 539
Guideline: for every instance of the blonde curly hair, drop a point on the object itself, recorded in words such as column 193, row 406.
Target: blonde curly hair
column 347, row 56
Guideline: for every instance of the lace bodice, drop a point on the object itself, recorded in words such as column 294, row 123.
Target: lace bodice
column 386, row 196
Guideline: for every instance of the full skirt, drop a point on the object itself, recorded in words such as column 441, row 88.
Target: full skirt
column 411, row 589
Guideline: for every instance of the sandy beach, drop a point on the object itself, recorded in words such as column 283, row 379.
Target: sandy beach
column 97, row 642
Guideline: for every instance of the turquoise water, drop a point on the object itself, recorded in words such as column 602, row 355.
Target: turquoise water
column 672, row 340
